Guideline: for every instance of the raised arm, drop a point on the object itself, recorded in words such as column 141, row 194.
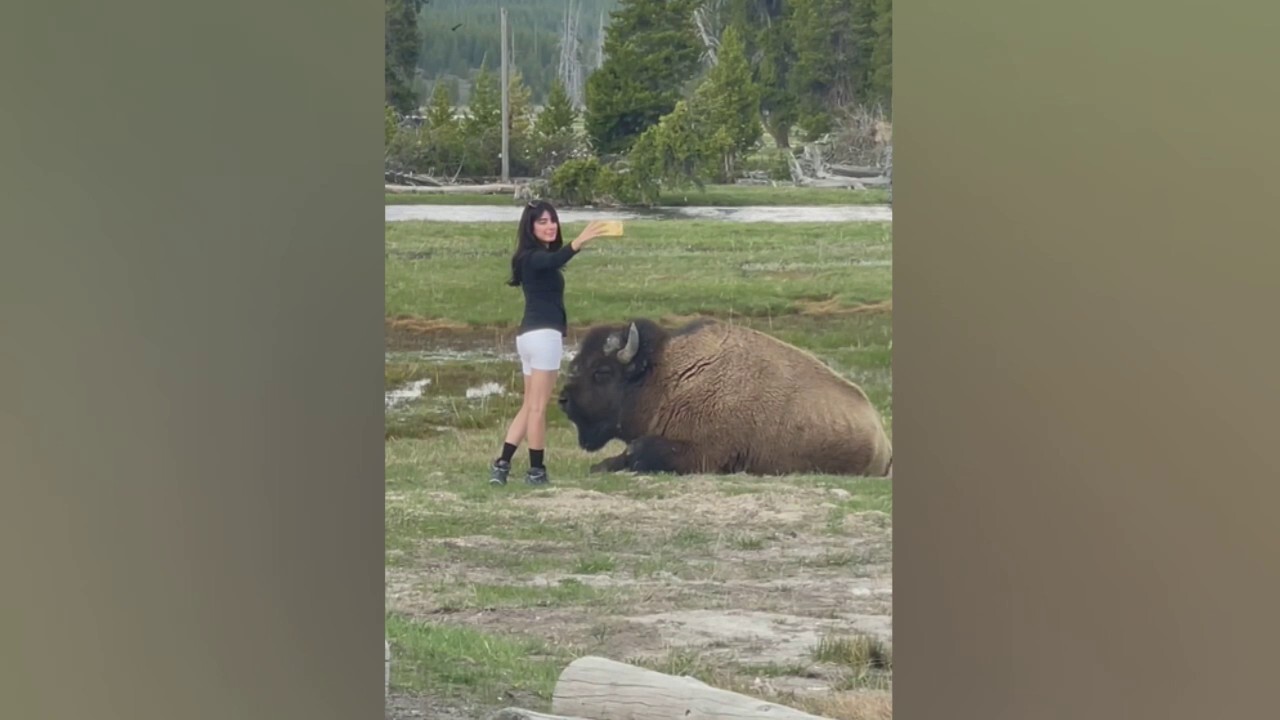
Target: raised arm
column 538, row 260
column 552, row 260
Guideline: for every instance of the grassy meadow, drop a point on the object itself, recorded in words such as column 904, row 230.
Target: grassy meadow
column 711, row 195
column 491, row 592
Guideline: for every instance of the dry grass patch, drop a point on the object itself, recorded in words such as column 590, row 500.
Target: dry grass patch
column 422, row 326
column 867, row 705
column 833, row 306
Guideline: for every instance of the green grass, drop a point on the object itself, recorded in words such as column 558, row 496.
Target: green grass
column 499, row 199
column 864, row 662
column 857, row 652
column 798, row 282
column 595, row 564
column 457, row 271
column 438, row 491
column 568, row 592
column 711, row 195
column 747, row 541
column 477, row 550
column 595, row 548
column 458, row 662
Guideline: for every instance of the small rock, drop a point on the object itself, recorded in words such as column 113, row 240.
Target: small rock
column 841, row 493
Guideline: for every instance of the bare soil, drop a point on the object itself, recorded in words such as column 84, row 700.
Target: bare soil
column 407, row 333
column 767, row 577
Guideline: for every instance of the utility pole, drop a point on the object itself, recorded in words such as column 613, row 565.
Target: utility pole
column 506, row 105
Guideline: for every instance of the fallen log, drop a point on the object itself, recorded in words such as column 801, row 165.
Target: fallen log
column 602, row 689
column 514, row 713
column 490, row 189
column 394, row 177
column 851, row 183
column 857, row 171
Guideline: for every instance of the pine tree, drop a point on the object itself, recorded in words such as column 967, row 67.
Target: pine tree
column 390, row 126
column 861, row 48
column 728, row 102
column 774, row 50
column 520, row 108
column 834, row 44
column 651, row 51
column 403, row 43
column 554, row 136
column 809, row 76
column 439, row 116
column 440, row 145
column 483, row 125
column 485, row 104
column 519, row 104
column 674, row 153
column 559, row 115
column 881, row 90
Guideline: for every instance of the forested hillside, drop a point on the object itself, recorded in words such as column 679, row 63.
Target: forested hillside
column 457, row 36
column 843, row 47
column 641, row 94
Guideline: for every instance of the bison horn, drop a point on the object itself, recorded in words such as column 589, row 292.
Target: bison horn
column 633, row 344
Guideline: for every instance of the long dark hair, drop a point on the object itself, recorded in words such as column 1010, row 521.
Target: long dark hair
column 527, row 242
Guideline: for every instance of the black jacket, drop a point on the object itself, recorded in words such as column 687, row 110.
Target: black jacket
column 543, row 286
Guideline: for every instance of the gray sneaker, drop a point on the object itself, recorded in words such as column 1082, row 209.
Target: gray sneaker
column 537, row 476
column 498, row 472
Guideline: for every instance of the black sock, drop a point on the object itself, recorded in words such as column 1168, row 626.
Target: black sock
column 508, row 452
column 535, row 458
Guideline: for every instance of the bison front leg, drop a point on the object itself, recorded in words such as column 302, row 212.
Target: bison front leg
column 648, row 454
column 613, row 464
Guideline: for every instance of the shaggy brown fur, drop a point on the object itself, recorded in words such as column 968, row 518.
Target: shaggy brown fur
column 716, row 398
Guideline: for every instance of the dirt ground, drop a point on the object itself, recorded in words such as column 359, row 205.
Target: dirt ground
column 777, row 574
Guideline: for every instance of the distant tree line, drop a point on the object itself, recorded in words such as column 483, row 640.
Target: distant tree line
column 456, row 37
column 686, row 91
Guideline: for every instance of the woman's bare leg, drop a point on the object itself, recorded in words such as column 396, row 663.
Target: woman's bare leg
column 541, row 385
column 516, row 432
column 538, row 389
column 518, row 428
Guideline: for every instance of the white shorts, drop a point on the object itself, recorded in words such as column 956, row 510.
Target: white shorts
column 540, row 350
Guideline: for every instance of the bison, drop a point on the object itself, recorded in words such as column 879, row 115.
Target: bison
column 711, row 397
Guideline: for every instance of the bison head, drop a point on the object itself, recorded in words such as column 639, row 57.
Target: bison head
column 601, row 381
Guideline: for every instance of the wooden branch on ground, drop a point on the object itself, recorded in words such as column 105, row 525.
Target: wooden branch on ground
column 812, row 170
column 488, row 189
column 857, row 171
column 837, row 182
column 405, row 178
column 851, row 183
column 602, row 689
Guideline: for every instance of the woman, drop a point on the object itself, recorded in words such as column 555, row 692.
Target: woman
column 536, row 268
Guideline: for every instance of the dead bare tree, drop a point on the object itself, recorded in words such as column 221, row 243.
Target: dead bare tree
column 598, row 60
column 862, row 136
column 570, row 69
column 706, row 18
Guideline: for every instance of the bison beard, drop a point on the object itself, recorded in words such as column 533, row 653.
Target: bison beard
column 594, row 437
column 716, row 398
